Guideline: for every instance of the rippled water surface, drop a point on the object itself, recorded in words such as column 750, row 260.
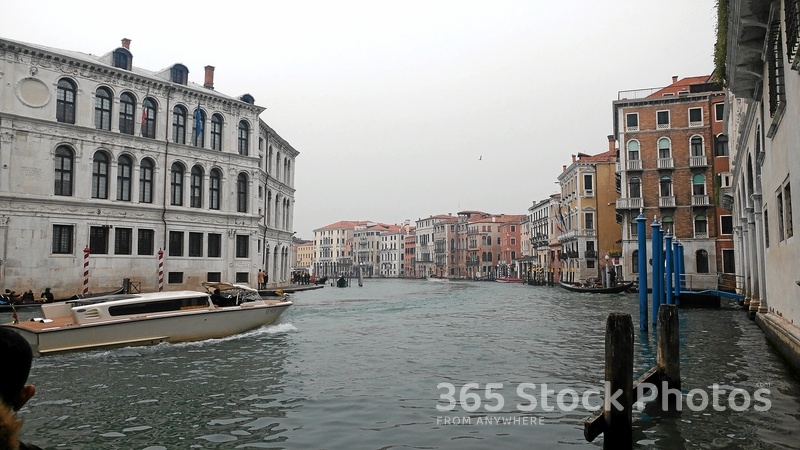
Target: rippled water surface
column 359, row 368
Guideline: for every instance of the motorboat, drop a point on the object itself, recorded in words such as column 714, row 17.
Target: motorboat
column 122, row 320
column 437, row 279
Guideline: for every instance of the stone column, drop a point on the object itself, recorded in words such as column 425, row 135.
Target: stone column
column 748, row 260
column 755, row 296
column 760, row 253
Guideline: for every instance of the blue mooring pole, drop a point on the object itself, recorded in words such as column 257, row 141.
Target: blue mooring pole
column 641, row 229
column 658, row 269
column 668, row 275
column 676, row 284
column 681, row 269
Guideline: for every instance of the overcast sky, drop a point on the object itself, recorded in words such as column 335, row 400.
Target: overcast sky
column 402, row 110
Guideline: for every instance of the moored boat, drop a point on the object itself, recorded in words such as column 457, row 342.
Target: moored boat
column 508, row 280
column 122, row 320
column 597, row 290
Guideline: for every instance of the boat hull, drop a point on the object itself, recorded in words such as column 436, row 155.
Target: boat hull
column 183, row 326
column 612, row 290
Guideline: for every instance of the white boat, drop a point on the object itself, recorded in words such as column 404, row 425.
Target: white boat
column 438, row 279
column 122, row 320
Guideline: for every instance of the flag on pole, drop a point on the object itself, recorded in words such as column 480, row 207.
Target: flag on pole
column 198, row 121
column 144, row 113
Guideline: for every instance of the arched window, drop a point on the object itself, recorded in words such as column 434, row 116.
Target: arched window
column 127, row 110
column 700, row 226
column 102, row 109
column 635, row 190
column 100, row 175
column 635, row 261
column 146, row 181
column 696, row 145
column 65, row 101
column 701, row 260
column 664, row 148
column 244, row 138
column 149, row 118
column 634, row 227
column 176, row 185
column 124, row 176
column 198, row 137
column 215, row 185
column 216, row 132
column 63, row 171
column 179, row 125
column 668, row 224
column 196, row 194
column 698, row 184
column 633, row 150
column 665, row 186
column 241, row 193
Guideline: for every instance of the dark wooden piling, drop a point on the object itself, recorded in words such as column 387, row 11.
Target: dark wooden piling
column 619, row 375
column 668, row 356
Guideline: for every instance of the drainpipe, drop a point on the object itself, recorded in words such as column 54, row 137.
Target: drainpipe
column 166, row 168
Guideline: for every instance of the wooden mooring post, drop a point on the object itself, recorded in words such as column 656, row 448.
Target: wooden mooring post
column 617, row 425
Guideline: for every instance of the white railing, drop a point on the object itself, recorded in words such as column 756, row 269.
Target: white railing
column 700, row 200
column 634, row 164
column 632, row 128
column 696, row 124
column 665, row 163
column 666, row 202
column 629, row 203
column 698, row 161
column 662, row 126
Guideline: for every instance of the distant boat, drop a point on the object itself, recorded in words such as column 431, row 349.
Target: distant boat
column 341, row 282
column 509, row 280
column 322, row 280
column 597, row 290
column 437, row 279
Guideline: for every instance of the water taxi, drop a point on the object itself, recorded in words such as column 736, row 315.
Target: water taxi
column 122, row 320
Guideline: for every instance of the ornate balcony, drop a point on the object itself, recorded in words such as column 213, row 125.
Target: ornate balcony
column 666, row 202
column 629, row 203
column 700, row 200
column 665, row 163
column 698, row 161
column 590, row 254
column 634, row 164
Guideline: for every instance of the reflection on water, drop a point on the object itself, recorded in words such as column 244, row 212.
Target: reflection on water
column 359, row 368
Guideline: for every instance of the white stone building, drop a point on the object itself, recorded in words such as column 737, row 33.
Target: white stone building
column 136, row 169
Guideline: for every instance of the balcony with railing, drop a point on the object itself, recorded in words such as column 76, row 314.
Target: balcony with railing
column 698, row 161
column 700, row 200
column 666, row 202
column 590, row 254
column 634, row 164
column 665, row 163
column 629, row 203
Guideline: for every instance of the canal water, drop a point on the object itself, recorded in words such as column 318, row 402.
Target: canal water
column 369, row 368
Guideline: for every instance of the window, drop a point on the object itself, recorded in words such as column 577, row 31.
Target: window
column 176, row 185
column 62, row 239
column 695, row 117
column 632, row 122
column 244, row 138
column 215, row 183
column 662, row 120
column 174, row 277
column 196, row 244
column 726, row 224
column 127, row 109
column 124, row 171
column 721, row 145
column 781, row 235
column 180, row 74
column 242, row 277
column 146, row 242
column 719, row 112
column 216, row 132
column 664, row 148
column 102, row 109
column 665, row 186
column 214, row 277
column 698, row 184
column 241, row 193
column 100, row 175
column 667, row 222
column 98, row 240
column 63, row 171
column 701, row 259
column 728, row 261
column 214, row 245
column 242, row 245
column 176, row 243
column 148, row 118
column 196, row 188
column 787, row 210
column 122, row 59
column 588, row 184
column 766, row 229
column 123, row 241
column 589, row 220
column 65, row 101
column 179, row 125
column 198, row 138
column 146, row 181
column 635, row 261
column 633, row 150
column 635, row 190
column 700, row 226
column 634, row 228
column 696, row 145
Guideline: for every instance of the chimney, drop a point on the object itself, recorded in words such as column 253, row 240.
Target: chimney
column 573, row 158
column 209, row 81
column 564, row 168
column 611, row 144
column 674, row 79
column 126, row 43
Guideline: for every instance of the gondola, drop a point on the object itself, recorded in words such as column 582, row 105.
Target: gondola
column 322, row 280
column 599, row 290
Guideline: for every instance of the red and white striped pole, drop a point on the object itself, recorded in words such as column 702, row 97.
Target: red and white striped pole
column 160, row 270
column 86, row 270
